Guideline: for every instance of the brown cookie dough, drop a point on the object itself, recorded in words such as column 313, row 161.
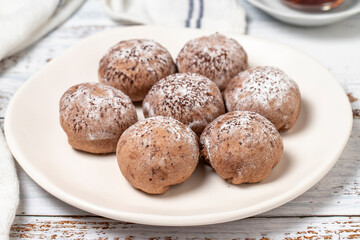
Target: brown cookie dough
column 268, row 91
column 215, row 56
column 188, row 97
column 241, row 146
column 94, row 115
column 157, row 152
column 133, row 66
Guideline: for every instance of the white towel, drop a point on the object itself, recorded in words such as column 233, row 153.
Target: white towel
column 217, row 15
column 9, row 189
column 22, row 22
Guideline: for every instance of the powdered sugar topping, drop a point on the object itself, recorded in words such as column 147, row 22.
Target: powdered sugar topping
column 182, row 91
column 146, row 52
column 247, row 121
column 215, row 56
column 244, row 126
column 190, row 98
column 96, row 108
column 176, row 131
column 266, row 85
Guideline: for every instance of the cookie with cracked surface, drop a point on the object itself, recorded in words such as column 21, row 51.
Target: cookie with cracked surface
column 157, row 152
column 215, row 56
column 133, row 66
column 241, row 146
column 188, row 97
column 94, row 115
column 268, row 91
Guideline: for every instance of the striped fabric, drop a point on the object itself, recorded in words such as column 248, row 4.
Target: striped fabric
column 218, row 15
column 199, row 11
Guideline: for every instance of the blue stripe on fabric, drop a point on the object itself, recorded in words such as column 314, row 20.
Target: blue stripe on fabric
column 190, row 13
column 201, row 14
column 59, row 5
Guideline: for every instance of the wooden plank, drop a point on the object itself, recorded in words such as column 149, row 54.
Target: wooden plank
column 251, row 228
column 8, row 86
column 338, row 193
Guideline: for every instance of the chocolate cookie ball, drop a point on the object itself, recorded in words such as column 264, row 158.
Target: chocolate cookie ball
column 94, row 115
column 188, row 97
column 268, row 91
column 215, row 56
column 157, row 152
column 133, row 66
column 241, row 146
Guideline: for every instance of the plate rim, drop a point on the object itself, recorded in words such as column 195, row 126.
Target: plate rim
column 159, row 219
column 328, row 16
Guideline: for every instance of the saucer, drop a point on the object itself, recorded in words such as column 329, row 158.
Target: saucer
column 278, row 10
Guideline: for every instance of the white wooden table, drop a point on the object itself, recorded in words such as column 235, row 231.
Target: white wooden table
column 330, row 210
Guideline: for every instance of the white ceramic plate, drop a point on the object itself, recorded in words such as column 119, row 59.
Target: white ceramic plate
column 283, row 13
column 94, row 183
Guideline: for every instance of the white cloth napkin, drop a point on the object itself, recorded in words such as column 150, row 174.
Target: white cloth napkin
column 22, row 22
column 217, row 15
column 9, row 189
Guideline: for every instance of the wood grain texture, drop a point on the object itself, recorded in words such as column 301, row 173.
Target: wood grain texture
column 251, row 228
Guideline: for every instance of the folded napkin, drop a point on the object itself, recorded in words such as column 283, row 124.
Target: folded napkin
column 217, row 15
column 22, row 22
column 9, row 189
